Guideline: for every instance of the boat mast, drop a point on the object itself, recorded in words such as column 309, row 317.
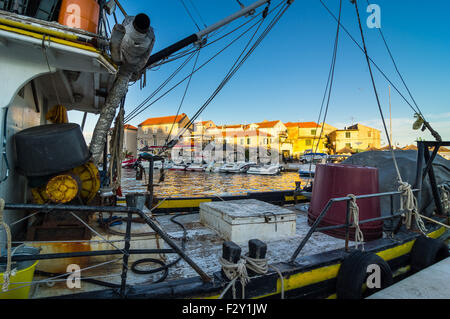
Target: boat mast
column 390, row 115
column 164, row 53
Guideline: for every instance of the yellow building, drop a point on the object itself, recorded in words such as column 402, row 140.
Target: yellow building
column 357, row 137
column 304, row 137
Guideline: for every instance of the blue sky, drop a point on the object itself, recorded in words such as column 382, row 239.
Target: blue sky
column 285, row 77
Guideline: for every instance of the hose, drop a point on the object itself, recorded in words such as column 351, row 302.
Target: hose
column 164, row 267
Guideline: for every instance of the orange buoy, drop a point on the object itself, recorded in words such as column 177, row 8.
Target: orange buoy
column 80, row 14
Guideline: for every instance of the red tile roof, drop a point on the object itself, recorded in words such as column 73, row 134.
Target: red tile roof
column 130, row 127
column 163, row 120
column 267, row 124
column 302, row 124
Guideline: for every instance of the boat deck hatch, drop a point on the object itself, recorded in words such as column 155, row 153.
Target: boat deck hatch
column 242, row 220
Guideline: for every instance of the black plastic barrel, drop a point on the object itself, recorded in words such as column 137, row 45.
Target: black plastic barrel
column 50, row 149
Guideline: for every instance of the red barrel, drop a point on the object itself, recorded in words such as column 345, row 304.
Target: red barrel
column 339, row 180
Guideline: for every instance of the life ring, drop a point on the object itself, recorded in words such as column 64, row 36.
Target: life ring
column 426, row 252
column 354, row 274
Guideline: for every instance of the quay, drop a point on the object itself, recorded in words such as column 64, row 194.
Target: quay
column 430, row 283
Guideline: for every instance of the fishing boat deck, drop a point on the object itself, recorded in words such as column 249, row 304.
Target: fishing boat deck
column 203, row 246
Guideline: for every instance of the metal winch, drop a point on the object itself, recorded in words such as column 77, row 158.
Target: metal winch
column 56, row 161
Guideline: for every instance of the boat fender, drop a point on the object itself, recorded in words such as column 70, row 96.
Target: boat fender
column 426, row 252
column 354, row 272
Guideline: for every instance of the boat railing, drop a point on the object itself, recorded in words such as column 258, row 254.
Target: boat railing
column 315, row 226
column 126, row 251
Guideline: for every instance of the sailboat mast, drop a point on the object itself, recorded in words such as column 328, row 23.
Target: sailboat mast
column 390, row 116
column 164, row 53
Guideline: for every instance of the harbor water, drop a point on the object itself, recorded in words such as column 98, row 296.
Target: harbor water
column 196, row 184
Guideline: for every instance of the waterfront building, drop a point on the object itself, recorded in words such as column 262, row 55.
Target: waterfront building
column 304, row 137
column 130, row 139
column 153, row 133
column 357, row 137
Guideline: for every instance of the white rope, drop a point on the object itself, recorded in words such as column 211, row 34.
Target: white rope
column 445, row 198
column 409, row 203
column 234, row 272
column 354, row 218
column 8, row 273
column 261, row 266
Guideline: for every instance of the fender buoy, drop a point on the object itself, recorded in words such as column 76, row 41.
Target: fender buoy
column 426, row 252
column 354, row 272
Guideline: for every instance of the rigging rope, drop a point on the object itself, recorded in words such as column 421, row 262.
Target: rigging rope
column 200, row 67
column 184, row 96
column 233, row 70
column 408, row 200
column 8, row 272
column 409, row 203
column 354, row 218
column 371, row 60
column 328, row 88
column 134, row 113
column 189, row 14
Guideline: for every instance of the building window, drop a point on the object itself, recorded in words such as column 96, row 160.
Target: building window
column 369, row 134
column 248, row 141
column 348, row 145
column 242, row 141
column 313, row 132
column 347, row 134
column 308, row 142
column 265, row 141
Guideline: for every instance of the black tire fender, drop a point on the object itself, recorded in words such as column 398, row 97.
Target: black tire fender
column 426, row 252
column 353, row 274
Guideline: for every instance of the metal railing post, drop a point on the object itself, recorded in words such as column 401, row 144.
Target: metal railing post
column 311, row 231
column 347, row 225
column 123, row 284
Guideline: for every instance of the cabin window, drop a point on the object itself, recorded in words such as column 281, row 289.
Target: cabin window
column 347, row 134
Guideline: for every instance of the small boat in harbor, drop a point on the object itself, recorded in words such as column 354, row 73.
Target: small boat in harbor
column 272, row 169
column 239, row 167
column 195, row 168
column 178, row 167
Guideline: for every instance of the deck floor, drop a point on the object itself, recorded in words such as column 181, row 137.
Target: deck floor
column 203, row 246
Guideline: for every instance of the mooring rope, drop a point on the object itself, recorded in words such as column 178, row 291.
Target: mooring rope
column 354, row 218
column 445, row 197
column 234, row 271
column 8, row 273
column 261, row 267
column 409, row 203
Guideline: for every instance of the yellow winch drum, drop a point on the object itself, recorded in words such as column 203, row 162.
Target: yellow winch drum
column 82, row 181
